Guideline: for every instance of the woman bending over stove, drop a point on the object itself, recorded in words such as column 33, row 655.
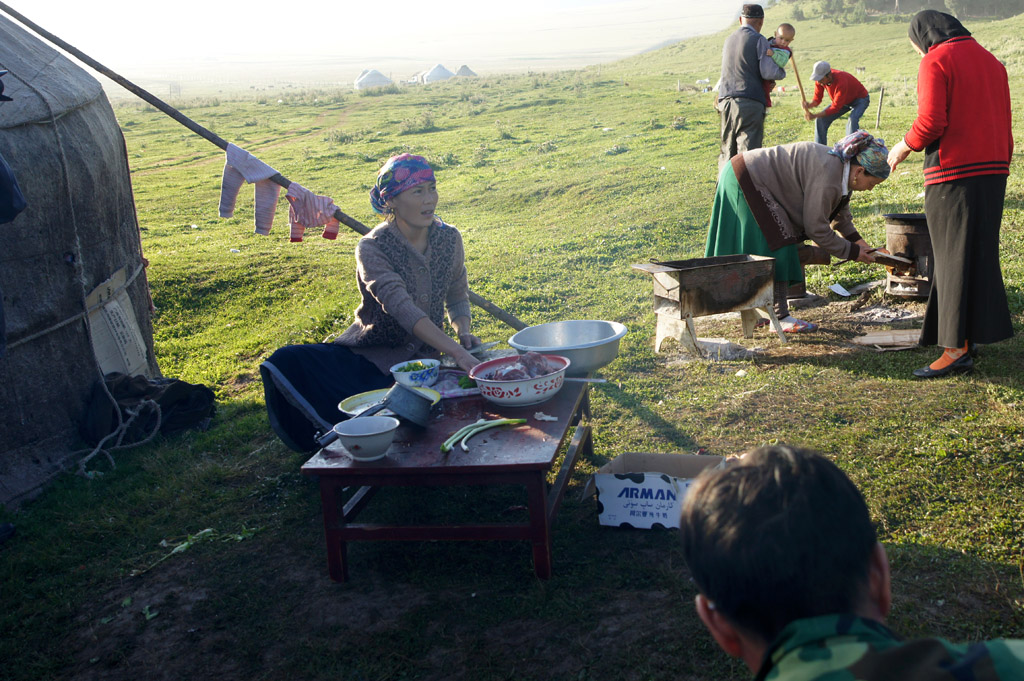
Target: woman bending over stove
column 770, row 200
column 410, row 270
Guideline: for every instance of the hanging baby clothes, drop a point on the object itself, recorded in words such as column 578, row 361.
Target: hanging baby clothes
column 309, row 210
column 241, row 166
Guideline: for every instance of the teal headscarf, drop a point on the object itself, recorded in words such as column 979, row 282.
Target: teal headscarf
column 866, row 150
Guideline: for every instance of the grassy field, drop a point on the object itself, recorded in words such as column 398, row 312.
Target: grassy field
column 558, row 182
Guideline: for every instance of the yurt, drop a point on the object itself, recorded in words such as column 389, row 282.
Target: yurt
column 437, row 73
column 72, row 282
column 465, row 72
column 371, row 78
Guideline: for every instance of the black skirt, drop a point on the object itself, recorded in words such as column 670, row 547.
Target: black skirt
column 968, row 299
column 302, row 385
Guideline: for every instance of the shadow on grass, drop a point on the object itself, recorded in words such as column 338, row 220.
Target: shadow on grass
column 1001, row 363
column 619, row 599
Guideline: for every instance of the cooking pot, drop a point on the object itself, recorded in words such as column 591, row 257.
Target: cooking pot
column 404, row 402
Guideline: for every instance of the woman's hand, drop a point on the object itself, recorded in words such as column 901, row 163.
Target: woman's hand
column 429, row 333
column 898, row 154
column 468, row 340
column 867, row 254
column 466, row 361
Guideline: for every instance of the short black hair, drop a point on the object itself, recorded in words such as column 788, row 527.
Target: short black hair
column 752, row 12
column 781, row 535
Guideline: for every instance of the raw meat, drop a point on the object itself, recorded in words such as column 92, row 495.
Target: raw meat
column 530, row 365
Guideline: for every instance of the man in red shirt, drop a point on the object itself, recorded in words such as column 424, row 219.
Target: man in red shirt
column 847, row 94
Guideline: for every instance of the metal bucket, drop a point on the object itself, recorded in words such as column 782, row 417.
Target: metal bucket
column 906, row 234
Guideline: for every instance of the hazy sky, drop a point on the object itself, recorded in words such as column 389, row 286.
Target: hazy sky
column 125, row 33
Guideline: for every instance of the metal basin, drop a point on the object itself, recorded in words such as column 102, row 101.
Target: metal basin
column 588, row 344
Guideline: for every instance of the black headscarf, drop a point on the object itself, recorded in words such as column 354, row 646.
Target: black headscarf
column 929, row 27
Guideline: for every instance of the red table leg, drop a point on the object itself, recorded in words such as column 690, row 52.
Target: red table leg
column 540, row 530
column 337, row 566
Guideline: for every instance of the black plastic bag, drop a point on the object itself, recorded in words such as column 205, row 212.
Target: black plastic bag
column 181, row 405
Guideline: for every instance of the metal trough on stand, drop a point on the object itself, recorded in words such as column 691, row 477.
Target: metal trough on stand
column 684, row 289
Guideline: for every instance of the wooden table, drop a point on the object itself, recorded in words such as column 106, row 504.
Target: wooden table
column 507, row 455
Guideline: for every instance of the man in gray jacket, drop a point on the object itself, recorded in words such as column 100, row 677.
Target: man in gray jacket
column 742, row 101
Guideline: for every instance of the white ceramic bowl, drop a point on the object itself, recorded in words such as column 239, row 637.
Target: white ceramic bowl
column 417, row 379
column 522, row 392
column 367, row 438
column 588, row 343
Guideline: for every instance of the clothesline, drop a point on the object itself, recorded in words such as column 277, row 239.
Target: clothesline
column 276, row 178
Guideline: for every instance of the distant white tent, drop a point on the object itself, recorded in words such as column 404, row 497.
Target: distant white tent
column 465, row 71
column 371, row 78
column 439, row 72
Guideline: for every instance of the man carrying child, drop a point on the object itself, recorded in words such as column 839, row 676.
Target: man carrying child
column 742, row 103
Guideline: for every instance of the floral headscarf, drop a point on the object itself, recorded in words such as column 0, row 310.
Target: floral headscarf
column 398, row 174
column 929, row 27
column 866, row 150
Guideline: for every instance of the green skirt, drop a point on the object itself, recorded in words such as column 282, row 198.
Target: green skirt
column 734, row 231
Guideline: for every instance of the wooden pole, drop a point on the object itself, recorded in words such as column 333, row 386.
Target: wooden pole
column 280, row 179
column 792, row 60
column 878, row 116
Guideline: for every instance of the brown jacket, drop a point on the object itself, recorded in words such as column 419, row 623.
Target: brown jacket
column 400, row 286
column 796, row 192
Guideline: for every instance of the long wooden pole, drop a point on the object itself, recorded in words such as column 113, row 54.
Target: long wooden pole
column 878, row 115
column 792, row 60
column 280, row 179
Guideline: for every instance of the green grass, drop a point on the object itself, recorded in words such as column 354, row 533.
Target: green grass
column 559, row 181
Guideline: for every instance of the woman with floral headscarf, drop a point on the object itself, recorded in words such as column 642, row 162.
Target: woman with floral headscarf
column 964, row 127
column 410, row 271
column 770, row 200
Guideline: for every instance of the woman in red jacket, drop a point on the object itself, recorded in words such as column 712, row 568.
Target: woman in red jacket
column 963, row 126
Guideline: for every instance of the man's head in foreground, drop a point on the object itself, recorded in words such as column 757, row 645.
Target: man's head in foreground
column 779, row 536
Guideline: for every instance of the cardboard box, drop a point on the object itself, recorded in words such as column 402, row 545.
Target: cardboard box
column 646, row 490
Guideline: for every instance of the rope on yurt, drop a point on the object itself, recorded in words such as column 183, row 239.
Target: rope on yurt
column 69, row 320
column 120, row 432
column 83, row 286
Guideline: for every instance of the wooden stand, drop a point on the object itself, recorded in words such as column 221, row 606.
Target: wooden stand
column 685, row 289
column 685, row 333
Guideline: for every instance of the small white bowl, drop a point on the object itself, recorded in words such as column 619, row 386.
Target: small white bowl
column 417, row 379
column 367, row 438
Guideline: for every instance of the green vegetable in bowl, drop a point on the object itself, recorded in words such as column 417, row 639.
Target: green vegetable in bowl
column 413, row 366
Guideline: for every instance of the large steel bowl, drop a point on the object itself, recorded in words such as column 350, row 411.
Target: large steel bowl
column 589, row 344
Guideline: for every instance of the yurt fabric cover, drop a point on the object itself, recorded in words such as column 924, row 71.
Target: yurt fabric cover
column 371, row 78
column 61, row 138
column 437, row 73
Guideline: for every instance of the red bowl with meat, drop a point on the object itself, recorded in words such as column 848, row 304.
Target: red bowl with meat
column 520, row 381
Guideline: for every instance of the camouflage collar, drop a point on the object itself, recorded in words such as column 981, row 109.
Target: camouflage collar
column 815, row 638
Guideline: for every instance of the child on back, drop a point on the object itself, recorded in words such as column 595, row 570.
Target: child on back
column 780, row 52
